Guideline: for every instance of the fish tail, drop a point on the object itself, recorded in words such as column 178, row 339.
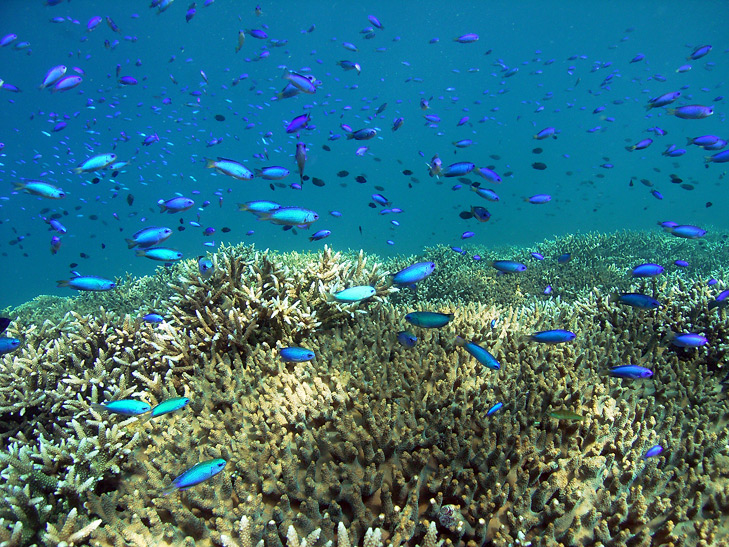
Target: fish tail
column 78, row 170
column 62, row 283
column 19, row 185
column 460, row 341
column 168, row 490
column 671, row 111
column 130, row 243
column 98, row 407
column 257, row 172
column 139, row 252
column 241, row 207
column 209, row 164
column 708, row 159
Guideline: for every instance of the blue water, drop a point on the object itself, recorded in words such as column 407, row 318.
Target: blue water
column 399, row 67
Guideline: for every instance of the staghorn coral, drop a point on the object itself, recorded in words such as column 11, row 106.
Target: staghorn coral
column 370, row 435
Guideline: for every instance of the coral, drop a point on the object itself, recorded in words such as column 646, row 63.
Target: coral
column 373, row 443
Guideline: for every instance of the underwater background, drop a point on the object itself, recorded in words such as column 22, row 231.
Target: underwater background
column 514, row 168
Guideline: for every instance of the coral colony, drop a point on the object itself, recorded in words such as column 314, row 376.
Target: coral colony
column 255, row 406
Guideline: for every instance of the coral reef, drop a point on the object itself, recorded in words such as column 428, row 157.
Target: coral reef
column 373, row 443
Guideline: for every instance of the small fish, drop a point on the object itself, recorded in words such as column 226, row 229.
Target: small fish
column 686, row 231
column 556, row 336
column 407, row 339
column 485, row 193
column 230, row 168
column 175, row 205
column 170, row 405
column 350, row 65
column 546, row 133
column 414, row 273
column 272, row 173
column 95, row 163
column 299, row 122
column 494, row 409
column 647, row 270
column 8, row 344
column 290, row 216
column 321, row 234
column 148, row 237
column 397, row 123
column 302, row 83
column 721, row 301
column 641, row 301
column 153, row 317
column 691, row 112
column 354, row 294
column 539, row 199
column 466, row 38
column 53, row 75
column 481, row 354
column 161, row 254
column 565, row 414
column 195, row 475
column 87, row 283
column 663, row 100
column 687, row 340
column 296, row 355
column 642, row 145
column 508, row 266
column 653, row 451
column 631, row 371
column 300, row 157
column 40, row 189
column 428, row 319
column 125, row 407
column 205, row 267
column 480, row 213
column 259, row 207
column 362, row 134
column 458, row 169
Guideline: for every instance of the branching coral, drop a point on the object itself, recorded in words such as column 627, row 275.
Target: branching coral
column 371, row 443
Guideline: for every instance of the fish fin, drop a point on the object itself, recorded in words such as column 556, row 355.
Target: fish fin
column 460, row 342
column 209, row 163
column 139, row 252
column 19, row 185
column 63, row 283
column 130, row 243
column 4, row 322
column 168, row 489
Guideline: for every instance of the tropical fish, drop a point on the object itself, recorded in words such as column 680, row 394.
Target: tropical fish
column 40, row 189
column 125, row 407
column 272, row 173
column 428, row 319
column 687, row 340
column 195, row 475
column 147, row 237
column 653, row 451
column 259, row 207
column 161, row 254
column 691, row 112
column 354, row 294
column 636, row 300
column 175, row 205
column 153, row 317
column 8, row 344
column 647, row 270
column 686, row 231
column 95, row 163
column 53, row 75
column 321, row 234
column 300, row 82
column 407, row 339
column 631, row 371
column 290, row 216
column 458, row 169
column 481, row 354
column 87, row 283
column 556, row 336
column 205, row 267
column 508, row 266
column 170, row 405
column 565, row 414
column 494, row 409
column 414, row 273
column 362, row 134
column 300, row 157
column 230, row 168
column 296, row 354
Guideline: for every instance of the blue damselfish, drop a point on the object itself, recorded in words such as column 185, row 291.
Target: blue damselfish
column 195, row 475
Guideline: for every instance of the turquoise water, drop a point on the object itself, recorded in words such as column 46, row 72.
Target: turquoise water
column 572, row 58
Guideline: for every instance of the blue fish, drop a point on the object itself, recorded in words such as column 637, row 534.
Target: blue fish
column 296, row 355
column 556, row 336
column 481, row 354
column 412, row 274
column 195, row 475
column 170, row 405
column 428, row 319
column 508, row 266
column 494, row 409
column 153, row 317
column 407, row 339
column 653, row 451
column 125, row 407
column 631, row 371
column 8, row 344
column 641, row 301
